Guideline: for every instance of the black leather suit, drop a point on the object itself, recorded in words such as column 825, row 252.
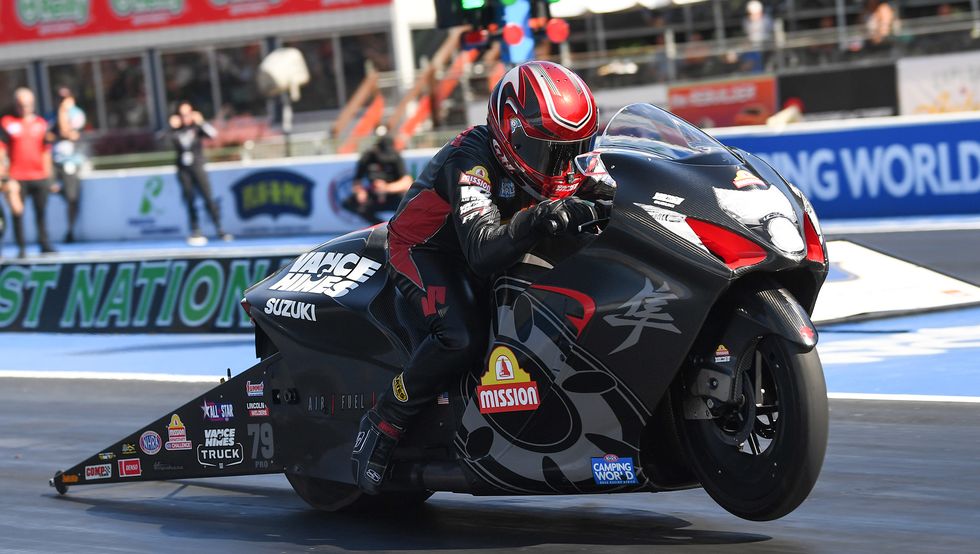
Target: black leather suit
column 462, row 221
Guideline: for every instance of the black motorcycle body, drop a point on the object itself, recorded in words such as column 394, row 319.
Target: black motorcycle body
column 670, row 350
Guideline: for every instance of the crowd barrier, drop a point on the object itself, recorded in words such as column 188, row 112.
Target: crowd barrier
column 916, row 165
column 291, row 196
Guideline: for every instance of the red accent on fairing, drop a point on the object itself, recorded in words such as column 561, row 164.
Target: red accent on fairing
column 734, row 249
column 814, row 250
column 588, row 306
column 418, row 222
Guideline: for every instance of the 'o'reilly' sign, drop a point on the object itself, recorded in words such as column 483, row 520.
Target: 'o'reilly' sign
column 273, row 193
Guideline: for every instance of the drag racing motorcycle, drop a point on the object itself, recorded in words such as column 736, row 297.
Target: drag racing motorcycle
column 671, row 348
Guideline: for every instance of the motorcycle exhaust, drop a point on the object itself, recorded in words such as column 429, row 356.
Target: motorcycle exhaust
column 434, row 476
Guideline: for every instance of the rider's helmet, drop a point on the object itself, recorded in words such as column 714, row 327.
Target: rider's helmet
column 541, row 116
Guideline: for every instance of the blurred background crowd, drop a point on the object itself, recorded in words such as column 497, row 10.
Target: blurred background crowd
column 388, row 64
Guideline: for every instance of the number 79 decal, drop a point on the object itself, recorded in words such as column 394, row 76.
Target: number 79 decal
column 263, row 444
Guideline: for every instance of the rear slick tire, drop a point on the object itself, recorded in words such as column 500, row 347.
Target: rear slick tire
column 772, row 479
column 331, row 496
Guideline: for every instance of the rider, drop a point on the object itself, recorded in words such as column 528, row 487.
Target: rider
column 480, row 204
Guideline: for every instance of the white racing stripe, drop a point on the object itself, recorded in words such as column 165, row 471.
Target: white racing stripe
column 112, row 375
column 904, row 397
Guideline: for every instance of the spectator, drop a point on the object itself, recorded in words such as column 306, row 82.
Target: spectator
column 758, row 28
column 65, row 127
column 696, row 56
column 189, row 129
column 880, row 21
column 28, row 171
column 380, row 181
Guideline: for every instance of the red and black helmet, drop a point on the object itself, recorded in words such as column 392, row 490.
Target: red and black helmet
column 541, row 116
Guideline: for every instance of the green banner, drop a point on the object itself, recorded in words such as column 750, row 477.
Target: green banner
column 188, row 295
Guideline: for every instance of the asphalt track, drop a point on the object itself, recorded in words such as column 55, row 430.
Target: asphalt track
column 899, row 477
column 953, row 252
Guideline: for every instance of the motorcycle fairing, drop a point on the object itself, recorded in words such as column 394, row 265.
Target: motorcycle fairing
column 634, row 335
column 565, row 326
column 584, row 409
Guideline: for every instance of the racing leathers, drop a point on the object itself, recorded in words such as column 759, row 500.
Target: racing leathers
column 462, row 221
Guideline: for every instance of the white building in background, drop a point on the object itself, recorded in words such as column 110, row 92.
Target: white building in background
column 130, row 63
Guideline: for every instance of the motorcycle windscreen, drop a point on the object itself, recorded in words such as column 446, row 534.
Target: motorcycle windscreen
column 647, row 128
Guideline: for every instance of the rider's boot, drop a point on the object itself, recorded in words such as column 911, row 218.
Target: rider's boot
column 373, row 447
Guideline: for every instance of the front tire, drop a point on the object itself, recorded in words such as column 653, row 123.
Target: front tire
column 760, row 460
column 331, row 496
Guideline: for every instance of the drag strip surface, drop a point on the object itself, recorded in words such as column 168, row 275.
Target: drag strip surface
column 952, row 252
column 899, row 477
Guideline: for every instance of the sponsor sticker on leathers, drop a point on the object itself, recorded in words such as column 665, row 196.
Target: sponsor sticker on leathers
column 478, row 176
column 505, row 387
column 398, row 388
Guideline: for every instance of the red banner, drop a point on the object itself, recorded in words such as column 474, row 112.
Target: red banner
column 725, row 103
column 29, row 20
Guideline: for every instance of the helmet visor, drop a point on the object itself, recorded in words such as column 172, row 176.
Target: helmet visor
column 548, row 157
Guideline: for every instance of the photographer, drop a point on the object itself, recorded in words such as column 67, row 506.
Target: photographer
column 65, row 127
column 188, row 132
column 380, row 181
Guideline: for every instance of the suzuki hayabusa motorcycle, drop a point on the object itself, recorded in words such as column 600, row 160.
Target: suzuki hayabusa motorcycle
column 670, row 349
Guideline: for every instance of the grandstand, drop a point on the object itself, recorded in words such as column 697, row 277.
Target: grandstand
column 128, row 75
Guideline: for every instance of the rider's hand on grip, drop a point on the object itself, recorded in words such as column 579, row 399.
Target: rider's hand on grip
column 582, row 215
column 572, row 214
column 550, row 217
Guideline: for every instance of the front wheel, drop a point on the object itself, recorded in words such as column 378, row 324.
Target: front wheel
column 760, row 459
column 331, row 496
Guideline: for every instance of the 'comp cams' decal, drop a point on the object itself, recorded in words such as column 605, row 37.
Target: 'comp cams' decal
column 505, row 387
column 331, row 273
column 100, row 471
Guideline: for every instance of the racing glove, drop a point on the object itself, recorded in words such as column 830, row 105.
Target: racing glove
column 571, row 215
